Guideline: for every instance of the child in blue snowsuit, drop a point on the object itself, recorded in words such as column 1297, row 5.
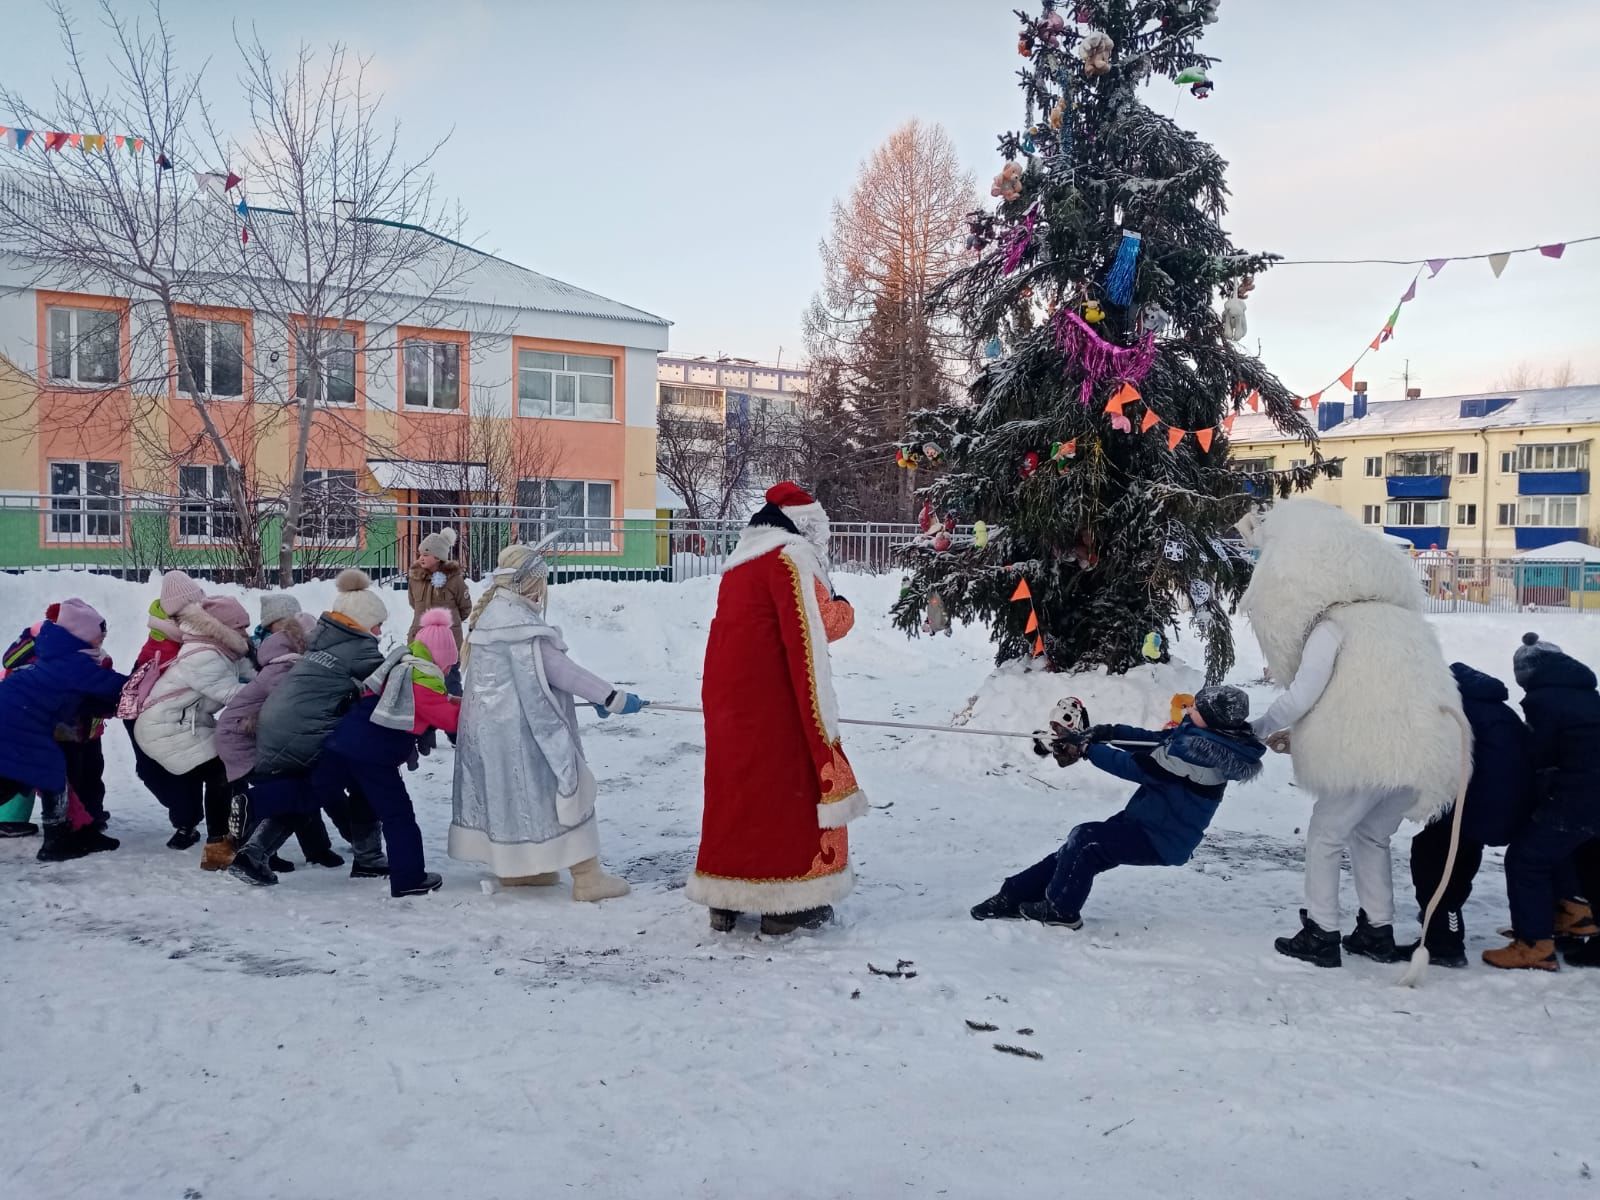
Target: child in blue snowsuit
column 1181, row 773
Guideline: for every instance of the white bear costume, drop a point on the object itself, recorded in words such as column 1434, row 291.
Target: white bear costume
column 1372, row 709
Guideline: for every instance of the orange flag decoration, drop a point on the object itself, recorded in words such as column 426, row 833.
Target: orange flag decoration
column 1150, row 421
column 1174, row 436
column 1254, row 400
column 1124, row 395
column 1023, row 592
column 1348, row 379
column 1227, row 422
column 1033, row 622
column 1203, row 436
column 1038, row 646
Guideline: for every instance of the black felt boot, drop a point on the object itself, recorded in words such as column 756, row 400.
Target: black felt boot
column 1313, row 944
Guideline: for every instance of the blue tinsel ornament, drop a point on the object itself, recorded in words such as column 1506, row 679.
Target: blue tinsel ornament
column 1119, row 280
column 992, row 350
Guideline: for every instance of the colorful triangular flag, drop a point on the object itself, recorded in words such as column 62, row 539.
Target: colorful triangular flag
column 209, row 181
column 1553, row 250
column 231, row 182
column 1253, row 400
column 1038, row 646
column 1411, row 293
column 1174, row 436
column 1377, row 340
column 1348, row 379
column 1124, row 395
column 94, row 143
column 54, row 141
column 118, row 140
column 75, row 140
column 1023, row 592
column 1227, row 422
column 1497, row 262
column 1204, row 436
column 1314, row 399
column 1033, row 622
column 4, row 129
column 244, row 235
column 1435, row 265
column 138, row 147
column 23, row 137
column 242, row 209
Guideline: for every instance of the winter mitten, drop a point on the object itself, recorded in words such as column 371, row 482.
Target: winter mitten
column 1278, row 743
column 590, row 883
column 620, row 703
column 1067, row 746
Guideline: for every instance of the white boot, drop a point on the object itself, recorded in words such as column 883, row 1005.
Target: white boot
column 589, row 882
column 543, row 879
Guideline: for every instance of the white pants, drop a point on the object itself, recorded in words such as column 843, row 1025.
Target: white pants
column 1364, row 822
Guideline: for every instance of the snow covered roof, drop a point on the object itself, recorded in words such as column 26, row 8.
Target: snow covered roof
column 1442, row 414
column 1564, row 552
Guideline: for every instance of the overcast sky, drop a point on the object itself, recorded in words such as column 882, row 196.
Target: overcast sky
column 682, row 156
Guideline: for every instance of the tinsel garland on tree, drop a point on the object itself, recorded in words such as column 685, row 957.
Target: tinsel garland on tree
column 1104, row 266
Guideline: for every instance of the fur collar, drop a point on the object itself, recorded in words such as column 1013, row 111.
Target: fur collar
column 449, row 569
column 758, row 540
column 200, row 626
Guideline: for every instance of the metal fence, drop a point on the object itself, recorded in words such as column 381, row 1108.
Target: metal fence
column 1488, row 585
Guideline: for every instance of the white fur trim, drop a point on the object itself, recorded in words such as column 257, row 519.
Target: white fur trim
column 775, row 899
column 842, row 812
column 511, row 859
column 821, row 664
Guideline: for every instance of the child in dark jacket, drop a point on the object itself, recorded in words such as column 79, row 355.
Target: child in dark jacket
column 1562, row 707
column 1181, row 775
column 1499, row 801
column 65, row 683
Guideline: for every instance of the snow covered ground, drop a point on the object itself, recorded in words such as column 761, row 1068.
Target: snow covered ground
column 176, row 1034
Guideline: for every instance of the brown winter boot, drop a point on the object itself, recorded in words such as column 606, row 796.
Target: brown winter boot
column 543, row 879
column 1575, row 919
column 218, row 855
column 1524, row 956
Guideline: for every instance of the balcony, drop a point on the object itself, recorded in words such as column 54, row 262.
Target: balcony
column 1419, row 487
column 1423, row 537
column 1553, row 483
column 1537, row 537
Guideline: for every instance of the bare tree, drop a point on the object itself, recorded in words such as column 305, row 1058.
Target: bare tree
column 893, row 239
column 113, row 212
column 1525, row 376
column 342, row 242
column 716, row 462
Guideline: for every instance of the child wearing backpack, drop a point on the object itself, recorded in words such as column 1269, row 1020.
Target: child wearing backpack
column 1181, row 775
column 177, row 725
column 64, row 682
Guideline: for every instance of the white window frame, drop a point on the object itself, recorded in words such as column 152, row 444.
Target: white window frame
column 598, row 531
column 567, row 374
column 210, row 324
column 1467, row 515
column 315, row 479
column 1372, row 514
column 1296, row 463
column 1402, row 514
column 430, row 346
column 1437, row 458
column 1541, row 457
column 1462, row 461
column 1533, row 512
column 1374, row 466
column 211, row 508
column 1508, row 462
column 67, row 507
column 1502, row 511
column 1253, row 466
column 75, row 341
column 328, row 353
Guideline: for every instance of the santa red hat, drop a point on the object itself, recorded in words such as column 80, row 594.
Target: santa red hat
column 802, row 509
column 789, row 495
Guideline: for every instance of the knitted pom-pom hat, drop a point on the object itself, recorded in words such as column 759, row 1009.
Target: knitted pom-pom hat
column 358, row 601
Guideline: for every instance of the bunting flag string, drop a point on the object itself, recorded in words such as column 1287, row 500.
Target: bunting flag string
column 1025, row 593
column 1435, row 265
column 13, row 137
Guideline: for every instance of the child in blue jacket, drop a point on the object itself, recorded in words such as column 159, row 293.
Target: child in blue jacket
column 1181, row 773
column 62, row 685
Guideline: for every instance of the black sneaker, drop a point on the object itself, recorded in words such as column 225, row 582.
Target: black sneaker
column 1583, row 954
column 1045, row 913
column 14, row 829
column 779, row 924
column 1447, row 941
column 1372, row 941
column 1313, row 944
column 378, row 870
column 251, row 869
column 723, row 920
column 430, row 883
column 326, row 858
column 60, row 845
column 183, row 838
column 998, row 907
column 280, row 865
column 95, row 842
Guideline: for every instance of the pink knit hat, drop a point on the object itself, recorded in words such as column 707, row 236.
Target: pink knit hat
column 226, row 610
column 436, row 635
column 178, row 592
column 81, row 621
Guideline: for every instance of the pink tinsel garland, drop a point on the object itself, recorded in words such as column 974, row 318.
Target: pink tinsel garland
column 1017, row 243
column 1098, row 358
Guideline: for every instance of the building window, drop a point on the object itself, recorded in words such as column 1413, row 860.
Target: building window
column 1296, row 463
column 1372, row 514
column 1505, row 515
column 205, row 511
column 1467, row 464
column 689, row 397
column 433, row 374
column 1566, row 456
column 1252, row 466
column 1413, row 514
column 1560, row 512
column 582, row 510
column 332, row 511
column 85, row 502
column 1508, row 462
column 1374, row 466
column 565, row 385
column 213, row 351
column 1419, row 462
column 1466, row 514
column 337, row 384
column 85, row 345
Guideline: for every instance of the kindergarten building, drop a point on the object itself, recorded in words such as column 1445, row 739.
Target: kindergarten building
column 1483, row 476
column 416, row 422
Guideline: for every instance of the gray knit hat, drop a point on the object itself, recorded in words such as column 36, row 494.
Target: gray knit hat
column 1223, row 707
column 441, row 544
column 1527, row 655
column 276, row 606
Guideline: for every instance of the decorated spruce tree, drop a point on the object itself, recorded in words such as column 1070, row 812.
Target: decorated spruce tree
column 1106, row 305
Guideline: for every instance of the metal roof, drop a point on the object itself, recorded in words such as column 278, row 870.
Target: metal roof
column 491, row 280
column 1442, row 414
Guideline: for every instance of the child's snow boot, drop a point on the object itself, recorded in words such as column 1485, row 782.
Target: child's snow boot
column 781, row 924
column 1447, row 941
column 1046, row 913
column 589, row 882
column 252, row 870
column 723, row 920
column 16, row 829
column 374, row 869
column 1584, row 954
column 60, row 844
column 1524, row 956
column 1313, row 944
column 93, row 841
column 1575, row 919
column 1372, row 941
column 431, row 882
column 325, row 858
column 542, row 879
column 218, row 854
column 183, row 837
column 998, row 907
column 281, row 865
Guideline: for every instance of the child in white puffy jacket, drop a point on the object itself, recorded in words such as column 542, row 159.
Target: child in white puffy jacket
column 178, row 725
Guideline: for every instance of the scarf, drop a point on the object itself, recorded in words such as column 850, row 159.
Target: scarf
column 397, row 705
